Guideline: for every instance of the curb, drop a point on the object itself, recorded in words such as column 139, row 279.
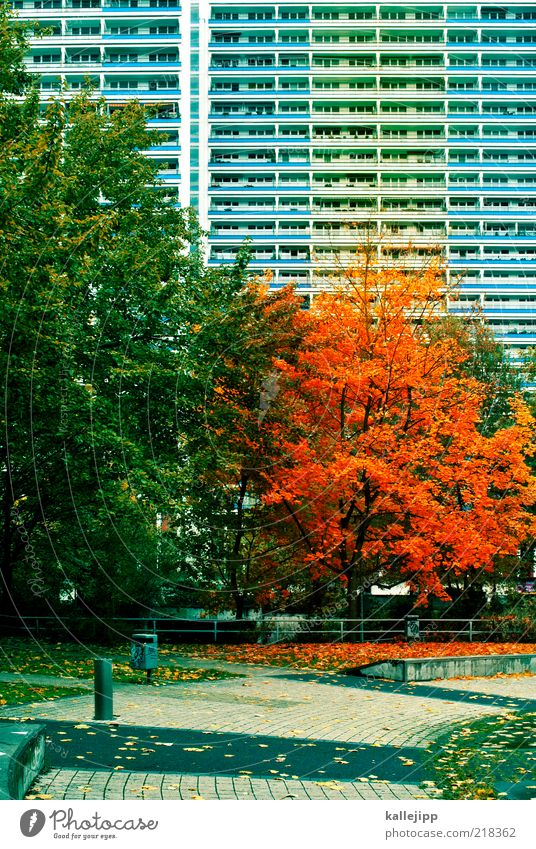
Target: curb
column 440, row 668
column 22, row 757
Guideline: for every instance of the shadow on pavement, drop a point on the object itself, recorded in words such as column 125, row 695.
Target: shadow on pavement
column 429, row 690
column 135, row 748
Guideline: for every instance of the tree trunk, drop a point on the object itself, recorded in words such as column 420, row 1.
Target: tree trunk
column 352, row 594
column 239, row 606
column 6, row 566
column 315, row 599
column 236, row 559
column 6, row 603
column 353, row 604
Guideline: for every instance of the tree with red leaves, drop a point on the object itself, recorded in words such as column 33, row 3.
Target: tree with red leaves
column 384, row 468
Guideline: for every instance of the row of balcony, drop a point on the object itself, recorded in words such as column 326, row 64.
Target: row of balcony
column 387, row 170
column 482, row 109
column 75, row 31
column 358, row 159
column 338, row 208
column 422, row 180
column 371, row 13
column 452, row 142
column 507, row 330
column 387, row 89
column 318, row 59
column 285, row 203
column 342, row 136
column 481, row 205
column 493, row 303
column 493, row 38
column 335, row 86
column 301, row 178
column 111, row 85
column 421, row 40
column 387, row 105
column 442, row 158
column 98, row 56
column 350, row 231
column 99, row 5
column 94, row 56
column 375, row 26
column 397, row 228
column 435, row 86
column 429, row 131
column 337, row 91
column 489, row 111
column 304, row 252
column 395, row 39
column 51, row 29
column 307, row 253
column 392, row 103
column 297, row 14
column 398, row 60
column 455, row 193
column 329, row 33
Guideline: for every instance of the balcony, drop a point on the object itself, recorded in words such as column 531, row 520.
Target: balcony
column 237, row 90
column 166, row 60
column 127, row 5
column 219, row 137
column 142, row 35
column 135, row 87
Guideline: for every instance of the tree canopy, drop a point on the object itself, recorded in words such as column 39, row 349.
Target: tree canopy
column 171, row 428
column 388, row 470
column 114, row 335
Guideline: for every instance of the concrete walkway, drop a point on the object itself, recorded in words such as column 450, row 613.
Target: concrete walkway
column 282, row 705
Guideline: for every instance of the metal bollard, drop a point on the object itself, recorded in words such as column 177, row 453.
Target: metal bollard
column 104, row 696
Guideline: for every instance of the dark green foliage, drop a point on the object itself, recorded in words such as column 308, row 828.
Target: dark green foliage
column 102, row 285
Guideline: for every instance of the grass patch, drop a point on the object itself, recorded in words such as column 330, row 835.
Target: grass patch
column 19, row 694
column 76, row 661
column 488, row 758
column 169, row 674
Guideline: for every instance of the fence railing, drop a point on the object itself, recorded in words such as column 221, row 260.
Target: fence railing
column 268, row 629
column 375, row 629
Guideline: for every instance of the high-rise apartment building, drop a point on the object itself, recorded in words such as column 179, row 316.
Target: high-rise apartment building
column 310, row 127
column 126, row 49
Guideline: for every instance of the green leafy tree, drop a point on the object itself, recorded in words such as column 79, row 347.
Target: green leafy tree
column 103, row 286
column 224, row 529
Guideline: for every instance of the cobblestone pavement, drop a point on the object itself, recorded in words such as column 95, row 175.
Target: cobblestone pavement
column 82, row 784
column 289, row 703
column 286, row 704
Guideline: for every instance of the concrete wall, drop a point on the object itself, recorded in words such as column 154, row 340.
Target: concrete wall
column 433, row 668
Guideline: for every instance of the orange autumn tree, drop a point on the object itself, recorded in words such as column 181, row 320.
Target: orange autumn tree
column 384, row 469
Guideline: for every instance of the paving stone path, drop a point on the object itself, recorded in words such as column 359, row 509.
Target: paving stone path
column 83, row 784
column 367, row 738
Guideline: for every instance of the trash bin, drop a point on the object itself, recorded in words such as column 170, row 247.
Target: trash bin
column 144, row 651
column 413, row 628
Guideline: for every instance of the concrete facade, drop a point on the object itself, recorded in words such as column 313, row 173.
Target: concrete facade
column 311, row 127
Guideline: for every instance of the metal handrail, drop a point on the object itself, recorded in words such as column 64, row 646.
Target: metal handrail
column 336, row 629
